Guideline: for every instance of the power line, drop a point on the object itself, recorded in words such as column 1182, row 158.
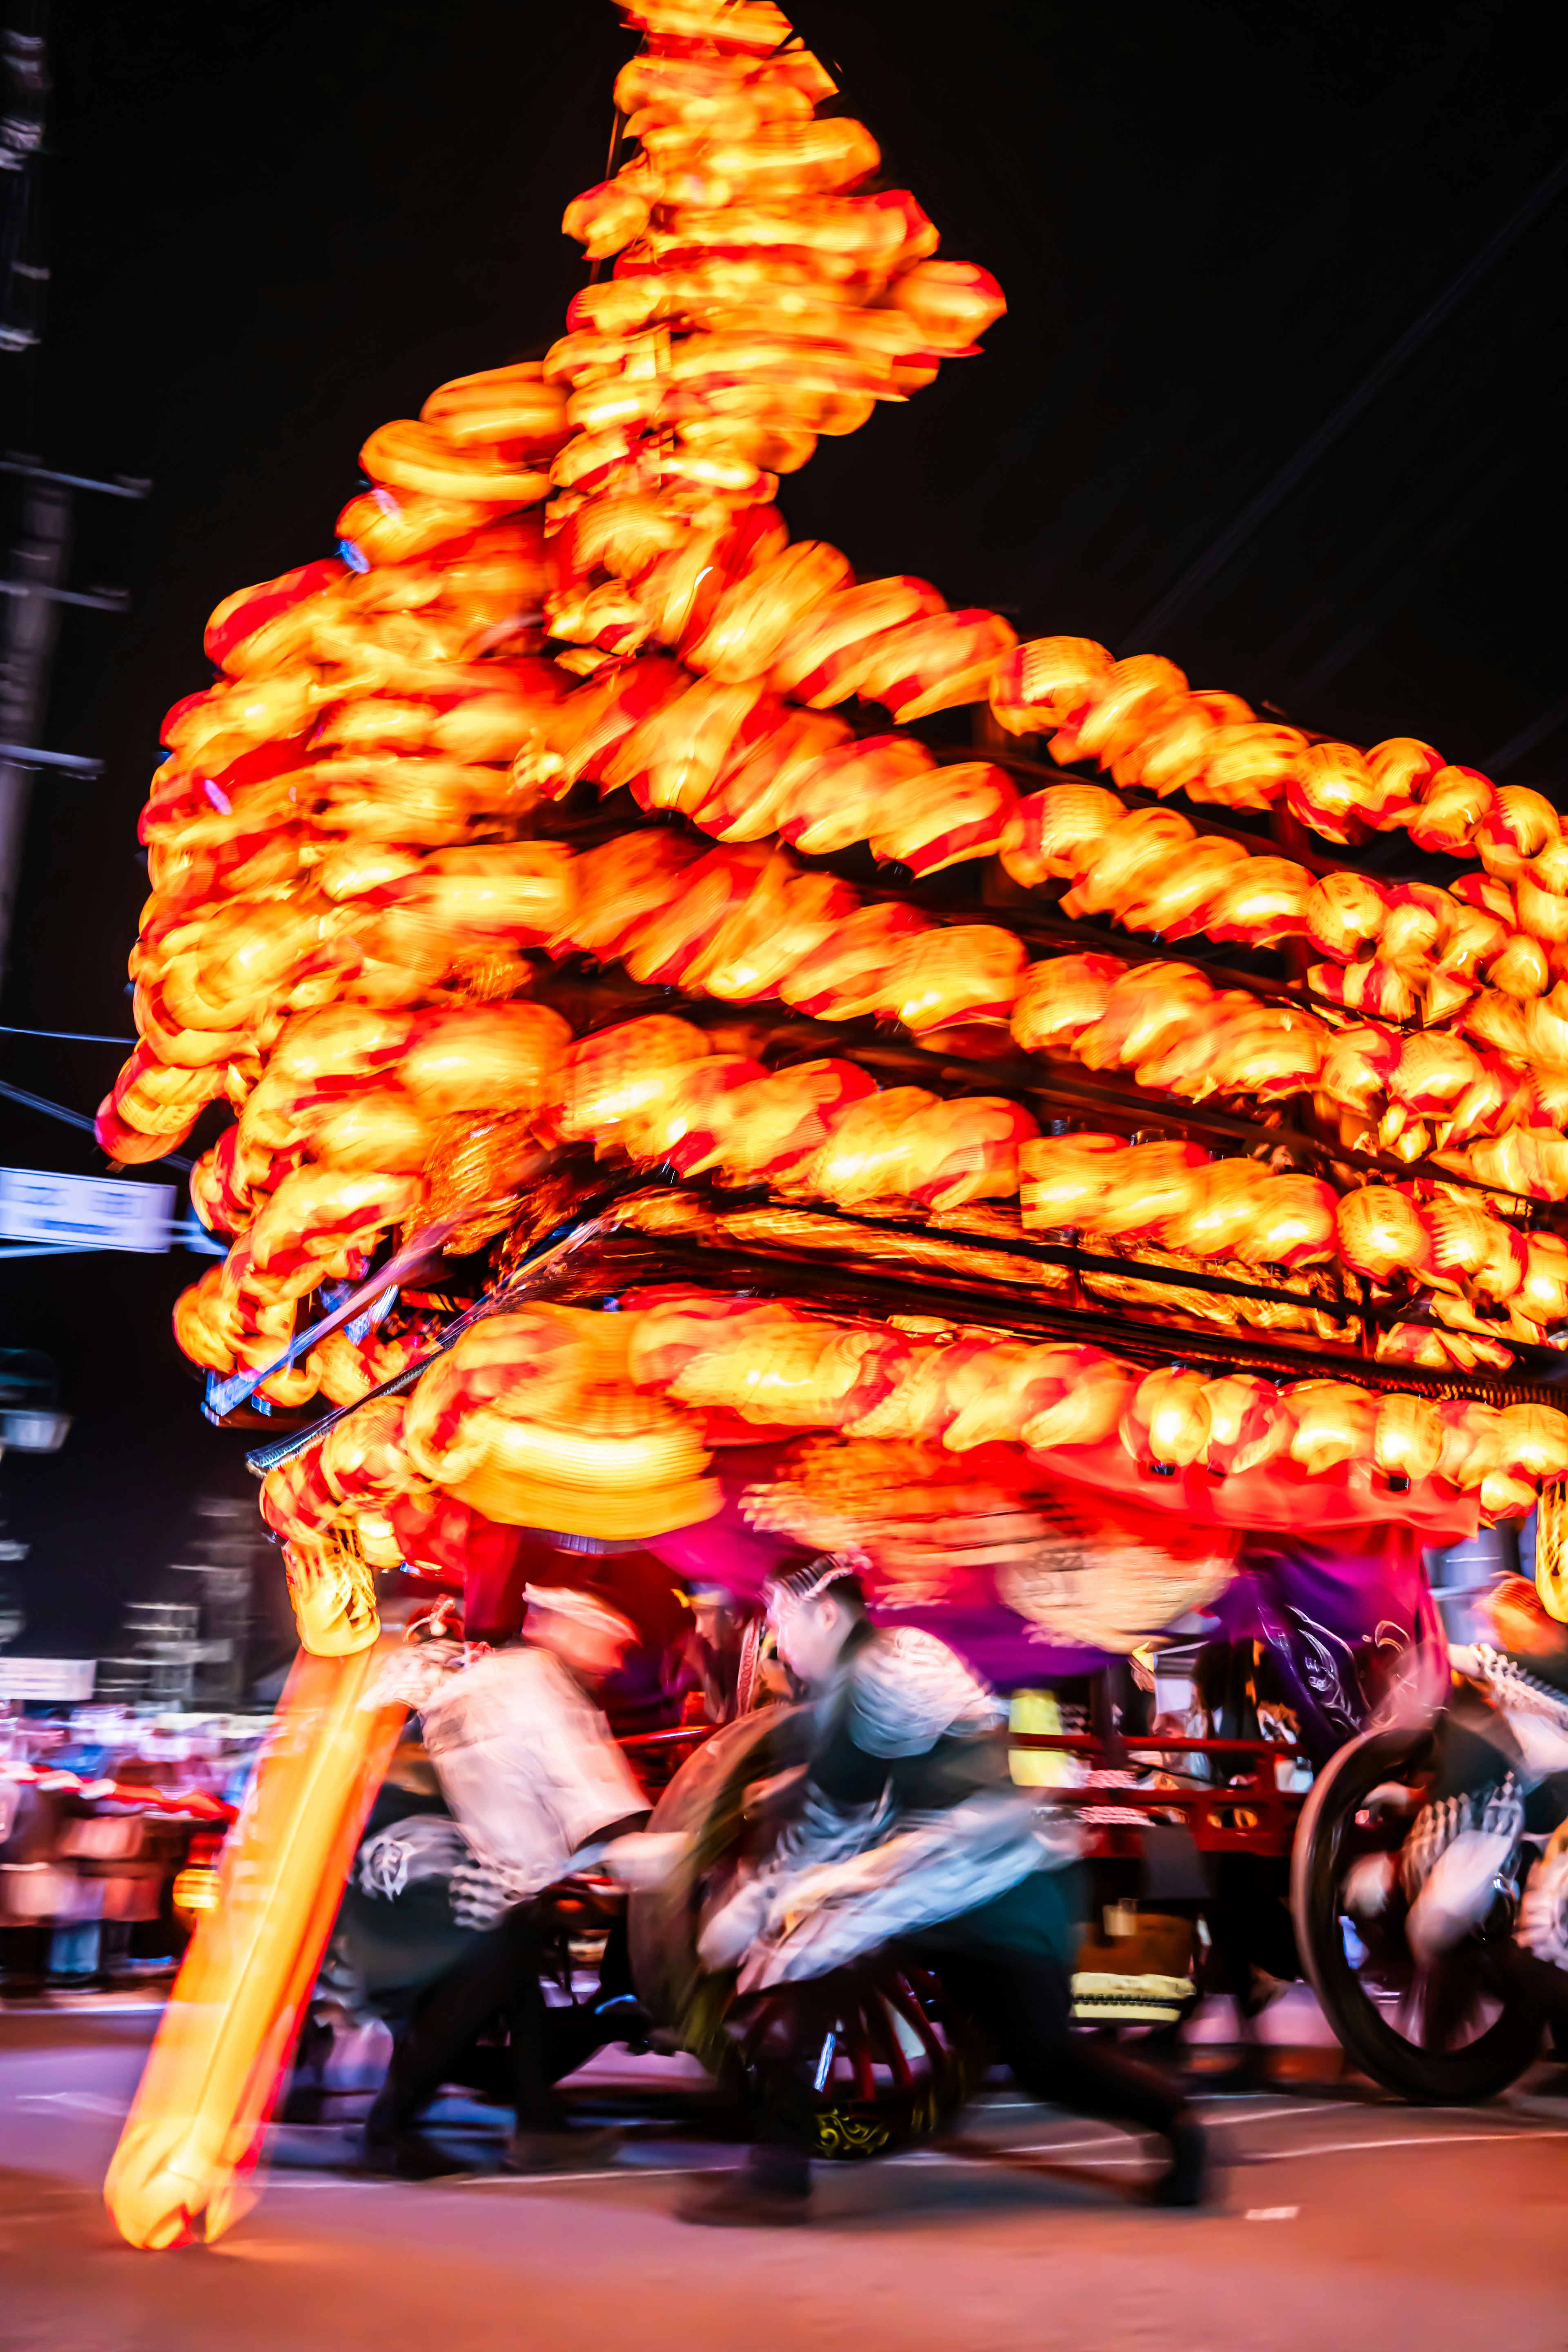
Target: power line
column 1457, row 522
column 76, row 1119
column 1550, row 720
column 1218, row 553
column 66, row 1037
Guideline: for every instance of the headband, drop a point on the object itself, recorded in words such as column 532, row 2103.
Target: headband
column 801, row 1584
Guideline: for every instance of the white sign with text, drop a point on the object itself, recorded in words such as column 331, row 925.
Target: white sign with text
column 84, row 1212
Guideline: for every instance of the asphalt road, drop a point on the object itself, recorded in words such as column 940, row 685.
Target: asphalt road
column 1341, row 2220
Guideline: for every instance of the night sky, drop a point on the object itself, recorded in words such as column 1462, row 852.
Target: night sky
column 268, row 231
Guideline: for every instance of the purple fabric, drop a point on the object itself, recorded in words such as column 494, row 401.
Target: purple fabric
column 724, row 1549
column 1347, row 1612
column 1351, row 1622
column 1343, row 1582
column 1002, row 1647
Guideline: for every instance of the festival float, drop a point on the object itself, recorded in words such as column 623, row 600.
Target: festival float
column 728, row 1055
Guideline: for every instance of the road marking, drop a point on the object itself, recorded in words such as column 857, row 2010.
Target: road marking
column 1280, row 2115
column 90, row 2102
column 1272, row 2213
column 267, row 2250
column 563, row 2179
column 86, row 2006
column 1421, row 2139
column 329, row 2181
column 1064, row 2146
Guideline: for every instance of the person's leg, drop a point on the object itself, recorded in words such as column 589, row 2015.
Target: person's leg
column 1026, row 2006
column 497, row 1977
column 444, row 2023
column 538, row 2054
column 450, row 2018
column 772, row 2188
column 612, row 2013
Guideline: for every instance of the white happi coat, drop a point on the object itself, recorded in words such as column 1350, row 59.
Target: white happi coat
column 524, row 1757
column 847, row 1877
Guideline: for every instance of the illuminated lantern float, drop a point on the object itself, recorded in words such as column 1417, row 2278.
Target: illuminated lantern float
column 585, row 895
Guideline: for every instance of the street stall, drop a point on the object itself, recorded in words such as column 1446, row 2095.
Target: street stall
column 736, row 1059
column 105, row 1864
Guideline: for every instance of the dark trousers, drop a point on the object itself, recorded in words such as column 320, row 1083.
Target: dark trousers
column 496, row 1979
column 1025, row 2004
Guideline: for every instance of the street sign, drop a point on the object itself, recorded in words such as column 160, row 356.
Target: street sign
column 54, row 1678
column 84, row 1212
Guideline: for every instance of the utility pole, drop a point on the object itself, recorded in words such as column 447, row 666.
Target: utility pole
column 36, row 501
column 38, row 528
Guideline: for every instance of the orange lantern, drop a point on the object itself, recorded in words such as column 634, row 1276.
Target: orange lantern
column 1048, row 683
column 1333, row 1423
column 1382, row 1232
column 1058, row 831
column 1407, row 1438
column 1250, row 1423
column 1167, row 1421
column 1089, row 1411
column 1062, row 998
column 621, row 1075
column 970, row 971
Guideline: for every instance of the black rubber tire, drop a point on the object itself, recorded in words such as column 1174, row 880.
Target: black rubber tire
column 1483, row 2067
column 704, row 1799
column 737, row 2040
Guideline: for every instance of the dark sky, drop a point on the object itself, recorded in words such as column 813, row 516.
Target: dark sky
column 271, row 229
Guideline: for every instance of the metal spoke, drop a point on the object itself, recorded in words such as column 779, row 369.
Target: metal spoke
column 879, row 2016
column 858, row 2035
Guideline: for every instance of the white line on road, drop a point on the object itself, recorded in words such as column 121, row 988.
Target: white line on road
column 86, row 2007
column 1423, row 2140
column 1062, row 2146
column 567, row 2179
column 92, row 2101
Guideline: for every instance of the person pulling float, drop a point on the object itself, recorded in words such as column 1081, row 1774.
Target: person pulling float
column 539, row 1788
column 908, row 1830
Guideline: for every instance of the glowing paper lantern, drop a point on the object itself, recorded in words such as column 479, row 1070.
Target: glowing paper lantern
column 1167, row 1421
column 1407, row 1437
column 1381, row 1233
column 1250, row 1423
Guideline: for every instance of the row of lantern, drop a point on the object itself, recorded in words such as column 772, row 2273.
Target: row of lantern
column 745, row 925
column 726, row 754
column 363, row 1093
column 741, row 769
column 748, row 330
column 330, row 1149
column 1404, row 944
column 758, row 301
column 1138, row 719
column 195, row 1027
column 358, row 708
column 604, row 1426
column 787, row 618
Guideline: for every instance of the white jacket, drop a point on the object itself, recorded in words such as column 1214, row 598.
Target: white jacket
column 524, row 1757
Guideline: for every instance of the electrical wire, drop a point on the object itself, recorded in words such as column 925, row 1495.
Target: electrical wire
column 75, row 1118
column 66, row 1037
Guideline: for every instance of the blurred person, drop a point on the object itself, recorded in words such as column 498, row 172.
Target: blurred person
column 721, row 1653
column 909, row 1762
column 1500, row 1786
column 536, row 1788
